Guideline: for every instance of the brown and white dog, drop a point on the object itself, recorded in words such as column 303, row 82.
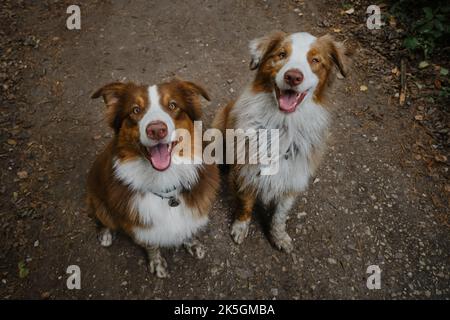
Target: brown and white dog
column 134, row 186
column 287, row 93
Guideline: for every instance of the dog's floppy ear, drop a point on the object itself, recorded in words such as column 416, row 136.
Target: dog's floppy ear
column 192, row 91
column 259, row 47
column 338, row 54
column 197, row 89
column 112, row 94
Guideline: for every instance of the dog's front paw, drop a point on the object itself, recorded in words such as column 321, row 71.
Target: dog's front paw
column 105, row 237
column 239, row 230
column 195, row 249
column 282, row 241
column 158, row 266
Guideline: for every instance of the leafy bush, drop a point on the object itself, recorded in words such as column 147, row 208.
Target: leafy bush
column 429, row 23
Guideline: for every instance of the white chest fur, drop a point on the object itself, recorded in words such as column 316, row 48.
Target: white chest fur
column 165, row 225
column 299, row 133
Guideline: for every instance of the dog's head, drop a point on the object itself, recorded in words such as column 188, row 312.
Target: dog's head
column 295, row 67
column 145, row 118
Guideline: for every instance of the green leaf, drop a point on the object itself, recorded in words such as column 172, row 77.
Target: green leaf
column 443, row 71
column 427, row 27
column 411, row 43
column 23, row 270
column 439, row 26
column 428, row 13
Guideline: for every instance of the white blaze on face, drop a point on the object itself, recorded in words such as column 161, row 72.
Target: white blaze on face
column 300, row 45
column 155, row 112
column 158, row 151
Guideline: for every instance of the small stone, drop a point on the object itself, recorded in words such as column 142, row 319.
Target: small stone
column 332, row 261
column 22, row 174
column 423, row 64
column 301, row 214
column 36, row 243
column 274, row 291
column 350, row 11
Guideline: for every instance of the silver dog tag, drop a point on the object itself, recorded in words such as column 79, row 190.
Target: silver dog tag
column 174, row 202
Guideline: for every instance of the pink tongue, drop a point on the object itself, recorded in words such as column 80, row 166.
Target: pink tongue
column 287, row 101
column 160, row 156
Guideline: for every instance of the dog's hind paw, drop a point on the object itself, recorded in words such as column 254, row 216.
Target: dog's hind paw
column 239, row 230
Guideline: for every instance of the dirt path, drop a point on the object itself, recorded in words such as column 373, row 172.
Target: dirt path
column 371, row 203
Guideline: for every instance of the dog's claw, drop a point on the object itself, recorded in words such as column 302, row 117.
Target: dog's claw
column 105, row 237
column 195, row 249
column 283, row 241
column 239, row 230
column 158, row 266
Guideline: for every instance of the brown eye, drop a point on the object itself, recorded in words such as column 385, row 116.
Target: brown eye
column 136, row 109
column 282, row 55
column 315, row 60
column 172, row 105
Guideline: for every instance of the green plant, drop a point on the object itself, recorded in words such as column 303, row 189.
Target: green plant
column 445, row 92
column 428, row 30
column 428, row 27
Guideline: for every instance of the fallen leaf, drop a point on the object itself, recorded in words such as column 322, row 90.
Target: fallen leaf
column 395, row 71
column 97, row 137
column 337, row 30
column 443, row 72
column 392, row 21
column 419, row 117
column 363, row 88
column 45, row 295
column 436, row 201
column 402, row 98
column 11, row 142
column 440, row 158
column 437, row 84
column 350, row 11
column 423, row 65
column 22, row 174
